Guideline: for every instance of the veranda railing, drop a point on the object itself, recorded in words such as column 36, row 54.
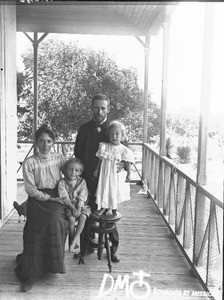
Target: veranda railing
column 67, row 148
column 193, row 214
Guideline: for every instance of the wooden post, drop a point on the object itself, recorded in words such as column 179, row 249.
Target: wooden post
column 8, row 105
column 164, row 88
column 205, row 93
column 162, row 150
column 2, row 111
column 200, row 208
column 146, row 90
column 35, row 83
column 35, row 41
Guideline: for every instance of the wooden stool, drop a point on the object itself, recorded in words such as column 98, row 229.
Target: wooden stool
column 103, row 225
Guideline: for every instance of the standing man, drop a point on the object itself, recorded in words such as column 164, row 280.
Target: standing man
column 87, row 142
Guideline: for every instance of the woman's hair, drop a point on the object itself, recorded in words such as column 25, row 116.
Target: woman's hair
column 101, row 97
column 44, row 129
column 73, row 160
column 118, row 124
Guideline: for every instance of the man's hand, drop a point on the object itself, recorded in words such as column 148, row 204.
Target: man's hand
column 120, row 166
column 96, row 173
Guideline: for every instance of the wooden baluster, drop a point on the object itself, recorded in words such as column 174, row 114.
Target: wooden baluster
column 180, row 195
column 160, row 184
column 188, row 219
column 166, row 187
column 213, row 244
column 153, row 176
column 172, row 201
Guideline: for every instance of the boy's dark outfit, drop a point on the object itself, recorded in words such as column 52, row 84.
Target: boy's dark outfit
column 87, row 143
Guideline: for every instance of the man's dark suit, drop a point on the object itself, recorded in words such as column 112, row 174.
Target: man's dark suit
column 87, row 142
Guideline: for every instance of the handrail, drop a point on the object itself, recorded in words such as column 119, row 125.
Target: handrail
column 170, row 163
column 193, row 215
column 72, row 143
column 67, row 142
column 56, row 142
column 25, row 158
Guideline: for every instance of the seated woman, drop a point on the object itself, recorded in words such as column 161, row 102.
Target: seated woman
column 45, row 231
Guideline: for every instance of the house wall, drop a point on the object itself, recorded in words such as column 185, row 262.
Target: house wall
column 8, row 113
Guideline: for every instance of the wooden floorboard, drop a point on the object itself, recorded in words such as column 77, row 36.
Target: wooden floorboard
column 145, row 244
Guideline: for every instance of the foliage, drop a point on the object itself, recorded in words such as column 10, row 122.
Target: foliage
column 134, row 123
column 21, row 108
column 186, row 126
column 216, row 128
column 154, row 119
column 24, row 128
column 184, row 154
column 68, row 78
column 183, row 130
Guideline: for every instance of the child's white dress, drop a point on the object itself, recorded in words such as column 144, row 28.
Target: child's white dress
column 112, row 188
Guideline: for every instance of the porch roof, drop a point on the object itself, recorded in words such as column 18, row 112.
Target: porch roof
column 93, row 17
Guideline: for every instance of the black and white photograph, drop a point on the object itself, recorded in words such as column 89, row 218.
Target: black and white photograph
column 111, row 150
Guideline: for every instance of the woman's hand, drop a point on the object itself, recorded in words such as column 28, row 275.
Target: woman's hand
column 69, row 205
column 62, row 200
column 56, row 199
column 65, row 201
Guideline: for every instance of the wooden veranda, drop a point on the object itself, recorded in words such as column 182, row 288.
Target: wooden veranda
column 146, row 244
column 176, row 234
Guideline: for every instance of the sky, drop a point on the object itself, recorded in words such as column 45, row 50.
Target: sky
column 184, row 77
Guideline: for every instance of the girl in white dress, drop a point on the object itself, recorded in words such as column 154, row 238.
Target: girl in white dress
column 113, row 187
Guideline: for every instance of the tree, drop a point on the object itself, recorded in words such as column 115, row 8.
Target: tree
column 68, row 78
column 23, row 112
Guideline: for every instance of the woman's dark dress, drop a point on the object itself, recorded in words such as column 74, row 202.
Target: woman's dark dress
column 44, row 238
